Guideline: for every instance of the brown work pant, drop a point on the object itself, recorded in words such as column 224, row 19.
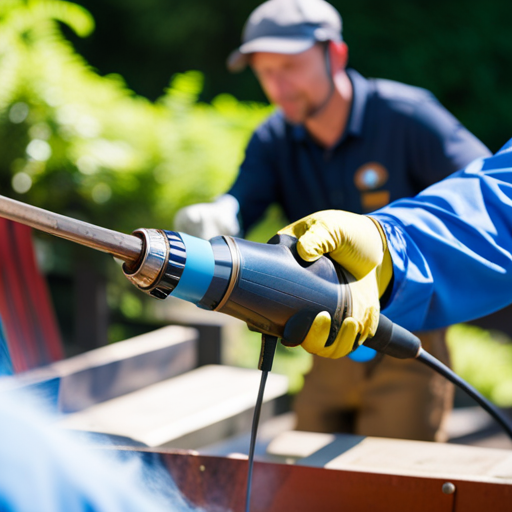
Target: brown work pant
column 385, row 397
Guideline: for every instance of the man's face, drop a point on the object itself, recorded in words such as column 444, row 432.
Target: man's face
column 297, row 83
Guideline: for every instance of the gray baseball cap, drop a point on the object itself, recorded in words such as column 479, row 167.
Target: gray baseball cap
column 286, row 26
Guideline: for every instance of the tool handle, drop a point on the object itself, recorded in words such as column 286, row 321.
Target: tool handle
column 393, row 340
column 390, row 338
column 277, row 293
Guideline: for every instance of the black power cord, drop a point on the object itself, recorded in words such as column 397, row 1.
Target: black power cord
column 390, row 339
column 268, row 349
column 429, row 360
column 395, row 341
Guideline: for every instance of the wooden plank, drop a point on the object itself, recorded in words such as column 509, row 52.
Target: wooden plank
column 167, row 413
column 112, row 371
column 395, row 456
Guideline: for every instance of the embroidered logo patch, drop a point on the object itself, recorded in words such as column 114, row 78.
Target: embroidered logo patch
column 370, row 176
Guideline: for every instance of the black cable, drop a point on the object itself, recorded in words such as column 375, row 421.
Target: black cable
column 268, row 349
column 432, row 362
column 254, row 432
column 395, row 341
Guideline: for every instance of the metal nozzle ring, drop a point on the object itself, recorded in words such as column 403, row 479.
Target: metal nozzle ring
column 156, row 254
column 235, row 272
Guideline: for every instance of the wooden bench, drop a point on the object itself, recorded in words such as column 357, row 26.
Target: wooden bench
column 81, row 381
column 200, row 407
column 394, row 456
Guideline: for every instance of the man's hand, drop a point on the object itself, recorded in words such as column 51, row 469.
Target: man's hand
column 206, row 220
column 359, row 245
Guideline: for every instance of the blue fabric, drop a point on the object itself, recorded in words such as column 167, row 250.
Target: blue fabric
column 42, row 469
column 452, row 247
column 5, row 357
column 362, row 354
column 401, row 128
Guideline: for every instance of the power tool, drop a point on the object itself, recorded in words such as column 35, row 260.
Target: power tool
column 268, row 286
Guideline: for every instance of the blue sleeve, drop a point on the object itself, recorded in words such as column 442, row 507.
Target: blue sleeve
column 439, row 144
column 256, row 185
column 451, row 247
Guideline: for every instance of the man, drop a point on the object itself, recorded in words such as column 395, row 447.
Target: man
column 442, row 257
column 343, row 142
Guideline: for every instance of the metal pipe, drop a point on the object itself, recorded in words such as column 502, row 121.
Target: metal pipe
column 125, row 247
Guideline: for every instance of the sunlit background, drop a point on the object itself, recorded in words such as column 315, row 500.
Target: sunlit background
column 120, row 112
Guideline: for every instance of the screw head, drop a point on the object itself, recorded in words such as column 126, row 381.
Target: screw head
column 448, row 488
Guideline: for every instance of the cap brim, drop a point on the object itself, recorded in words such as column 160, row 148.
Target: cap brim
column 239, row 59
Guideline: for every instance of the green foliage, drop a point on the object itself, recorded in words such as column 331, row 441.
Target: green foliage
column 483, row 359
column 461, row 50
column 85, row 145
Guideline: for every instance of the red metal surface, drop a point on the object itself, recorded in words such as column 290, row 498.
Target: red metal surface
column 12, row 307
column 45, row 328
column 482, row 497
column 25, row 306
column 217, row 483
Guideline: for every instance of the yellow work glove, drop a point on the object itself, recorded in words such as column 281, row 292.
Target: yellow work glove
column 359, row 245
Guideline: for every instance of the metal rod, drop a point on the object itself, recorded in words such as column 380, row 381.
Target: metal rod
column 125, row 247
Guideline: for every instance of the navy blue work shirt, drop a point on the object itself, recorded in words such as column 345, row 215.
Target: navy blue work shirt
column 399, row 139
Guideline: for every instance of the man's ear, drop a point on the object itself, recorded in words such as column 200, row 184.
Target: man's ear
column 339, row 55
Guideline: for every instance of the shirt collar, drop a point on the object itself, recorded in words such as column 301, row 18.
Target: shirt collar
column 360, row 91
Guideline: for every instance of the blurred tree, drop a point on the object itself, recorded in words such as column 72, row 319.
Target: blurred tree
column 79, row 143
column 86, row 146
column 146, row 41
column 461, row 50
column 483, row 359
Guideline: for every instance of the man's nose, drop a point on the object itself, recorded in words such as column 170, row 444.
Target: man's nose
column 279, row 89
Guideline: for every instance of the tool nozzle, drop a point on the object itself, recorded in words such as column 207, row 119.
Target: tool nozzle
column 120, row 245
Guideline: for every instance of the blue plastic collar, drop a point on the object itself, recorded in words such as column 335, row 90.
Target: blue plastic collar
column 198, row 272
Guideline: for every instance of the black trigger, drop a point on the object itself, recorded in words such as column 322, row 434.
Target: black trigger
column 286, row 240
column 297, row 328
